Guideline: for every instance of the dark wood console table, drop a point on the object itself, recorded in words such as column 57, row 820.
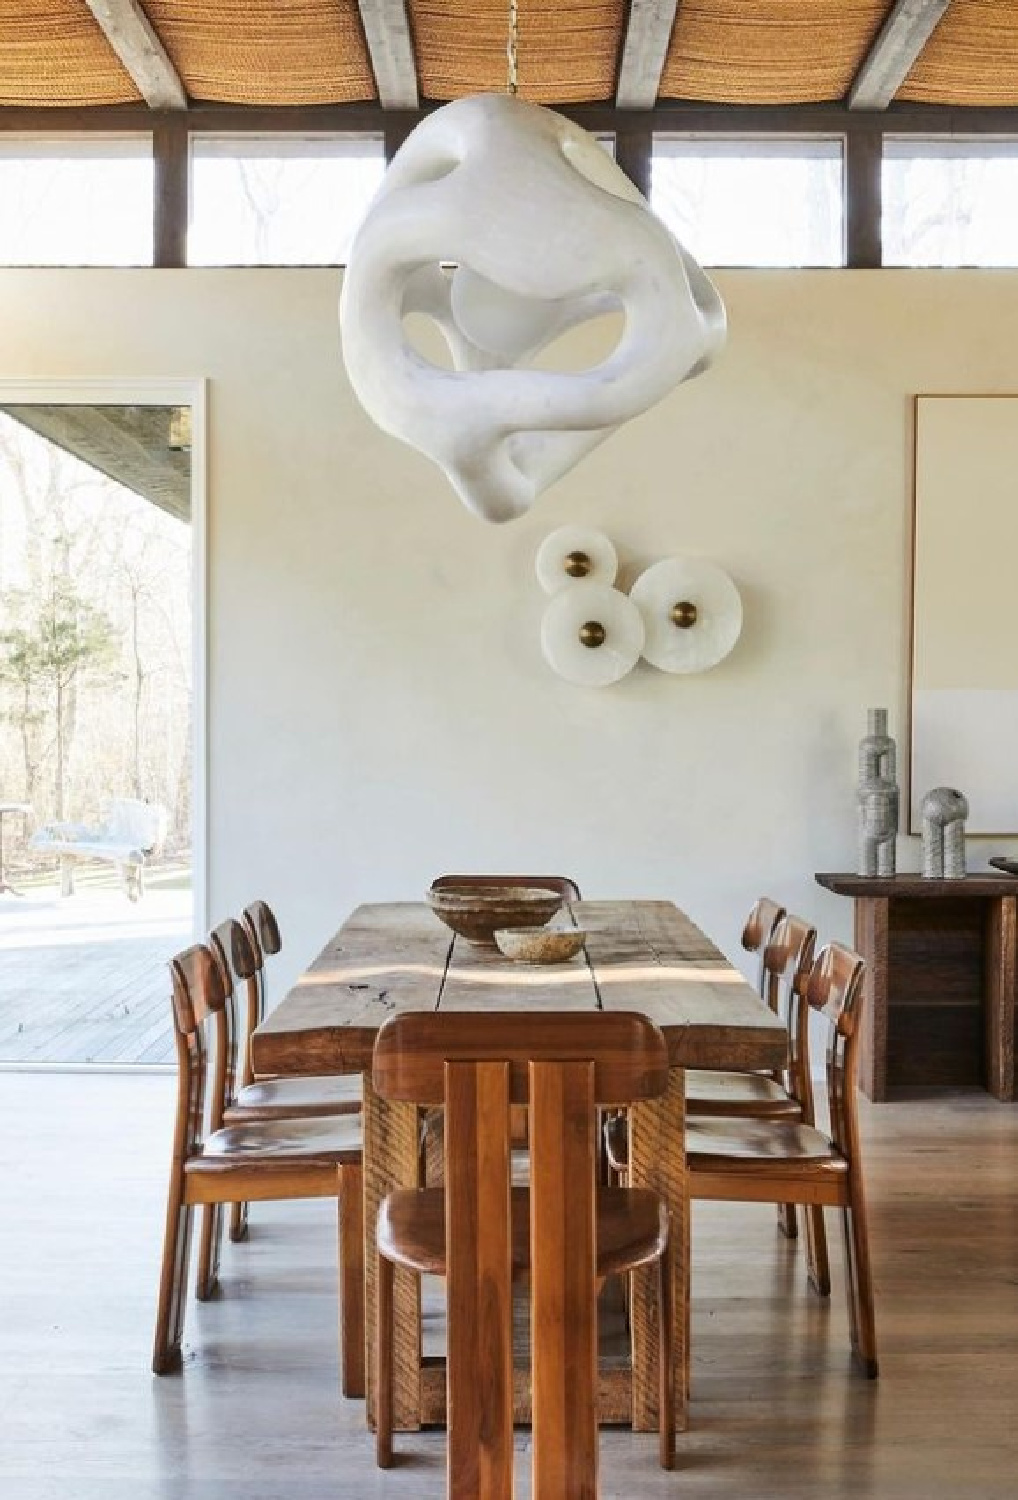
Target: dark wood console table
column 941, row 995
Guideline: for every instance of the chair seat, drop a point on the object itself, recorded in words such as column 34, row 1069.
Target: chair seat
column 751, row 1095
column 283, row 1143
column 295, row 1099
column 759, row 1146
column 632, row 1229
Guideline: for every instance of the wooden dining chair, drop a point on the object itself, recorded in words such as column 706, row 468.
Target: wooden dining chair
column 257, row 1103
column 777, row 1161
column 480, row 1232
column 719, row 1093
column 786, row 964
column 241, row 948
column 257, row 1161
column 567, row 888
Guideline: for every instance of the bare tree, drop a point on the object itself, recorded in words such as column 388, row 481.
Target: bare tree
column 64, row 638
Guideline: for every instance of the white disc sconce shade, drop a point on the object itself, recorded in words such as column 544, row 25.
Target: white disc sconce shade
column 591, row 634
column 691, row 611
column 572, row 553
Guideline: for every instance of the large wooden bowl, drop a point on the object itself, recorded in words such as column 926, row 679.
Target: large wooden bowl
column 478, row 913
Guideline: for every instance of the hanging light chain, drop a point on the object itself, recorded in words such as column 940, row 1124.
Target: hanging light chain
column 512, row 49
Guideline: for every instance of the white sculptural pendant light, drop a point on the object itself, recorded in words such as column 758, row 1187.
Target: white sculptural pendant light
column 691, row 611
column 507, row 224
column 572, row 553
column 591, row 634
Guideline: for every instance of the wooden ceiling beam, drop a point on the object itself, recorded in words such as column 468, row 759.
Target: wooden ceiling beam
column 670, row 116
column 648, row 32
column 891, row 58
column 129, row 32
column 391, row 49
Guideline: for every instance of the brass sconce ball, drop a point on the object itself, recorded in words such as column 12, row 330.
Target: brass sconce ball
column 592, row 633
column 683, row 614
column 577, row 564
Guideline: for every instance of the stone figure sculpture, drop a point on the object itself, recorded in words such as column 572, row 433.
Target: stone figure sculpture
column 507, row 224
column 877, row 797
column 944, row 813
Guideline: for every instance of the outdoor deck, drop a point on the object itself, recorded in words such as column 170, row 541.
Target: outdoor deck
column 83, row 978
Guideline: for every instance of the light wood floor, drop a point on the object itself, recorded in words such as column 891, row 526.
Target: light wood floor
column 777, row 1414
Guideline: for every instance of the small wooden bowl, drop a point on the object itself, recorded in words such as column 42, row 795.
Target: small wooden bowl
column 477, row 914
column 540, row 945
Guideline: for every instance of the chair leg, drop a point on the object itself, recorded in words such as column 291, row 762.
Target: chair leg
column 383, row 1395
column 861, row 1313
column 238, row 1222
column 666, row 1361
column 173, row 1281
column 817, row 1263
column 787, row 1221
column 351, row 1280
column 209, row 1246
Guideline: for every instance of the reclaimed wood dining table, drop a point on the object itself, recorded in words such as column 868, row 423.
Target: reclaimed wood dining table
column 644, row 956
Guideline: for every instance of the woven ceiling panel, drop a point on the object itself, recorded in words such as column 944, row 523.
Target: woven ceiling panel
column 266, row 52
column 971, row 58
column 53, row 52
column 768, row 51
column 568, row 49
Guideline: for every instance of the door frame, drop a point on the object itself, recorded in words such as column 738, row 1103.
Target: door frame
column 171, row 391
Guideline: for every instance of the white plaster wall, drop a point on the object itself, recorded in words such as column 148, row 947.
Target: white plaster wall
column 380, row 710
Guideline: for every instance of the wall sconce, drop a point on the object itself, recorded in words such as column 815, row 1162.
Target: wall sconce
column 692, row 614
column 572, row 553
column 591, row 634
column 683, row 614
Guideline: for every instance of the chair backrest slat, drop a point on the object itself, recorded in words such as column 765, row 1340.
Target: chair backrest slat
column 198, row 998
column 479, row 1276
column 787, row 962
column 563, row 1263
column 197, row 988
column 834, row 990
column 262, row 931
column 629, row 1053
column 834, row 986
column 234, row 955
column 760, row 923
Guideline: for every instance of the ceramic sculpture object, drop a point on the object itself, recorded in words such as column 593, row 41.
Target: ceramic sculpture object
column 507, row 224
column 591, row 634
column 692, row 613
column 944, row 813
column 572, row 553
column 877, row 797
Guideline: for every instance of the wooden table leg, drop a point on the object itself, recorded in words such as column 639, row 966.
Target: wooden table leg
column 999, row 988
column 390, row 1161
column 872, row 940
column 657, row 1160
